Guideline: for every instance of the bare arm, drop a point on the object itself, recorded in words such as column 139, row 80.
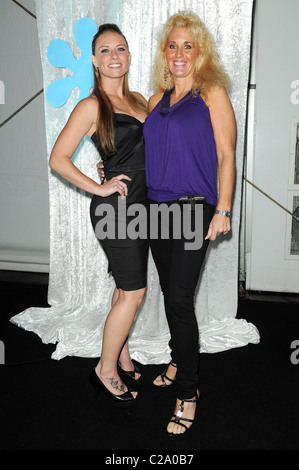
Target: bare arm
column 79, row 124
column 224, row 128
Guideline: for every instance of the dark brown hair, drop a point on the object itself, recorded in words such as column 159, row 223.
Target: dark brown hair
column 105, row 123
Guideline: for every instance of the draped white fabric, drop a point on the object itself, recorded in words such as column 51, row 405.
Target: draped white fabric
column 79, row 288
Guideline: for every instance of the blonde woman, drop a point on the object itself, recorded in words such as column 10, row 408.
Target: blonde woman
column 189, row 132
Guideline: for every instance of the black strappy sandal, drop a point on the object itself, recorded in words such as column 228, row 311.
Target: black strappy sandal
column 164, row 376
column 178, row 418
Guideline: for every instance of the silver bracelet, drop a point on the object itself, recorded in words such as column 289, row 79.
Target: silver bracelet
column 225, row 213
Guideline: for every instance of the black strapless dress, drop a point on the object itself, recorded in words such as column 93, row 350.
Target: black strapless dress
column 123, row 237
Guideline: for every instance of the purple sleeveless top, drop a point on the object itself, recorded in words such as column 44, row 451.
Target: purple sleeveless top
column 180, row 150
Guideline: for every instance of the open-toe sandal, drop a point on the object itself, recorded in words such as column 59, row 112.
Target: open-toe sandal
column 125, row 398
column 178, row 418
column 165, row 377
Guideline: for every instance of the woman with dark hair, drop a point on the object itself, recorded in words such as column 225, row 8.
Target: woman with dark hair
column 113, row 118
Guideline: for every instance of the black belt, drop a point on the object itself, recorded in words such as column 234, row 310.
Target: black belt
column 192, row 200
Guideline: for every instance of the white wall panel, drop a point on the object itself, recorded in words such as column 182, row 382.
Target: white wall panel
column 24, row 207
column 268, row 266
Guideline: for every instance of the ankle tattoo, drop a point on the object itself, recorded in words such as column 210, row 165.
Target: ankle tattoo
column 114, row 384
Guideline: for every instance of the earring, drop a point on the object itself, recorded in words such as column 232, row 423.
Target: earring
column 166, row 73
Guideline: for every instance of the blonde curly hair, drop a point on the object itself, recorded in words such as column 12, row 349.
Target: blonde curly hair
column 208, row 70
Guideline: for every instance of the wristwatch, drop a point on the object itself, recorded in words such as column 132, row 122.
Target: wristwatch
column 225, row 213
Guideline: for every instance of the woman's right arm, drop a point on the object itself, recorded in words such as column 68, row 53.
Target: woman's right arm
column 79, row 124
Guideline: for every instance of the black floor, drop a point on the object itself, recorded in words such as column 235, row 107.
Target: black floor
column 249, row 401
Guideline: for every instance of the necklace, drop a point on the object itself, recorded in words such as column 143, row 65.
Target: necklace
column 180, row 96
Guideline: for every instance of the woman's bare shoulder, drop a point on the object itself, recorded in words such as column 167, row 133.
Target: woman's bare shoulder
column 88, row 110
column 154, row 100
column 215, row 94
column 90, row 103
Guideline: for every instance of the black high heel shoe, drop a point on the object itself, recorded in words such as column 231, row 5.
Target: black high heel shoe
column 123, row 399
column 130, row 374
column 163, row 376
column 178, row 418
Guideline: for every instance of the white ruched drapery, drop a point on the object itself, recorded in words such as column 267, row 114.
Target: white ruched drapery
column 80, row 290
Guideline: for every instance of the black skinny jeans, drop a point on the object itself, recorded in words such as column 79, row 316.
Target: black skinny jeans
column 178, row 271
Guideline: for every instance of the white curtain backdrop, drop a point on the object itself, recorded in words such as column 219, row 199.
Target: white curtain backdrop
column 79, row 288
